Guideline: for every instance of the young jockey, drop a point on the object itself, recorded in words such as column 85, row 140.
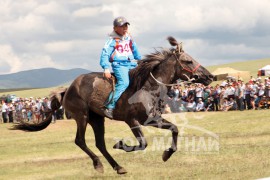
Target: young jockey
column 120, row 51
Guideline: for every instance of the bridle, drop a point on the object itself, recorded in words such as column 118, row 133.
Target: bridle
column 180, row 51
column 183, row 68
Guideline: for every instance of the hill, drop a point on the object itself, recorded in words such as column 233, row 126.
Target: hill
column 39, row 78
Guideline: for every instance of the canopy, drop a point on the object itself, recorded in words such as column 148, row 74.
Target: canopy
column 267, row 67
column 264, row 71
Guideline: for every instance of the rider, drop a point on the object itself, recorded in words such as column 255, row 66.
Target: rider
column 120, row 51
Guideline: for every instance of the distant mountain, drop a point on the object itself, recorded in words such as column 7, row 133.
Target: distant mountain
column 40, row 78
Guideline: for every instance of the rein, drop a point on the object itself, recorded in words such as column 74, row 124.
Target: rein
column 164, row 84
column 161, row 83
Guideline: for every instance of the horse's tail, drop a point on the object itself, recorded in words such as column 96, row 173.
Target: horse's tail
column 56, row 98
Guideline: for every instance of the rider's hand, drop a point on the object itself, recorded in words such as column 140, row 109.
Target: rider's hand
column 107, row 74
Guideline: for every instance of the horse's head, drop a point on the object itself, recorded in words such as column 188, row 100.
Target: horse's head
column 187, row 68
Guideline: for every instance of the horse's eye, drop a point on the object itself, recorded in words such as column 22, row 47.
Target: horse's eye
column 187, row 61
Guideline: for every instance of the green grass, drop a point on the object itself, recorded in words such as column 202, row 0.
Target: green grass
column 243, row 153
column 42, row 92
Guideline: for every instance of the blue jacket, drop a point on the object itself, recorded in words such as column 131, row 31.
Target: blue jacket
column 118, row 49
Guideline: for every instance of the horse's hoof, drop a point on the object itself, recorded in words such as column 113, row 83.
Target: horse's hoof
column 98, row 167
column 167, row 154
column 121, row 170
column 118, row 145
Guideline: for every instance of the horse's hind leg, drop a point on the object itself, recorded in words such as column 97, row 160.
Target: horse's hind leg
column 136, row 129
column 80, row 141
column 97, row 123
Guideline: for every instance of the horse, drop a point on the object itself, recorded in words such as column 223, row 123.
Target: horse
column 141, row 104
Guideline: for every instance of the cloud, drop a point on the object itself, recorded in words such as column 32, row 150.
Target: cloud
column 9, row 60
column 69, row 34
column 58, row 47
column 51, row 8
column 12, row 62
column 87, row 12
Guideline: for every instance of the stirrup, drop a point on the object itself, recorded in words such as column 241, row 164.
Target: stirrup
column 109, row 113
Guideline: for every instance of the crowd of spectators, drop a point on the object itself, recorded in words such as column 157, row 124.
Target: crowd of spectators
column 231, row 94
column 27, row 109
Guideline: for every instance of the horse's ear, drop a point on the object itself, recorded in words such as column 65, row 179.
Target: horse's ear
column 179, row 48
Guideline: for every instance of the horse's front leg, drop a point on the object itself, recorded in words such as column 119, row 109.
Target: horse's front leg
column 164, row 124
column 136, row 129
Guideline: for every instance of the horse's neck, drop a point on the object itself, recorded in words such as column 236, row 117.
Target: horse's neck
column 164, row 73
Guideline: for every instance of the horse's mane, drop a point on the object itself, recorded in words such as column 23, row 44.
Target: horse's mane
column 141, row 73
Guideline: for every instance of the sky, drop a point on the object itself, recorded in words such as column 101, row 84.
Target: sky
column 71, row 34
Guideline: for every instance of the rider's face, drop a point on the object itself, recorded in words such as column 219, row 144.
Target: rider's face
column 121, row 30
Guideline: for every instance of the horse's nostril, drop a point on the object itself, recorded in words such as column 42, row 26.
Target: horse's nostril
column 195, row 76
column 210, row 76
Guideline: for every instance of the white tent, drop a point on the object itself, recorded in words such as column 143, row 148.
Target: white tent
column 265, row 71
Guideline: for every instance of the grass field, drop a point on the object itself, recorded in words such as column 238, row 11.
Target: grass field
column 214, row 145
column 42, row 92
column 243, row 151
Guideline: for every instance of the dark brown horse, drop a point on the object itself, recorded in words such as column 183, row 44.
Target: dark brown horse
column 141, row 104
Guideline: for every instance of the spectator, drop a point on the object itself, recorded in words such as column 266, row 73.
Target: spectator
column 191, row 93
column 191, row 106
column 224, row 83
column 239, row 96
column 257, row 101
column 175, row 99
column 228, row 105
column 206, row 93
column 4, row 111
column 209, row 105
column 216, row 95
column 222, row 96
column 248, row 90
column 267, row 91
column 29, row 114
column 230, row 91
column 261, row 91
column 10, row 112
column 263, row 104
column 18, row 110
column 45, row 107
column 36, row 114
column 198, row 92
column 200, row 105
column 225, row 94
column 172, row 96
column 184, row 98
column 182, row 108
column 252, row 102
column 1, row 118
